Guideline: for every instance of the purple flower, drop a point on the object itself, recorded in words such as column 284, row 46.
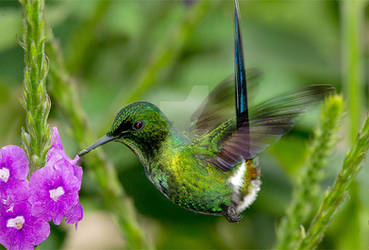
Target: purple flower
column 56, row 152
column 55, row 187
column 54, row 192
column 13, row 168
column 19, row 229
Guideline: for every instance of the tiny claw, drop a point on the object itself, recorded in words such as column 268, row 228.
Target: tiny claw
column 231, row 215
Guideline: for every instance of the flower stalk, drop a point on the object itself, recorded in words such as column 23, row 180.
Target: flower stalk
column 36, row 102
column 334, row 197
column 352, row 52
column 84, row 36
column 352, row 20
column 308, row 188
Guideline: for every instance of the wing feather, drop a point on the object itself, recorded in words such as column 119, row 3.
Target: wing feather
column 220, row 104
column 269, row 121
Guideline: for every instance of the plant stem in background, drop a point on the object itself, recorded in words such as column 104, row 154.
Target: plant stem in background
column 163, row 58
column 352, row 29
column 84, row 36
column 36, row 135
column 307, row 188
column 334, row 198
column 65, row 93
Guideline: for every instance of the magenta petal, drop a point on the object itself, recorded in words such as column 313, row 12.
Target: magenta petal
column 55, row 187
column 75, row 215
column 56, row 153
column 75, row 160
column 58, row 219
column 54, row 190
column 78, row 172
column 20, row 192
column 14, row 169
column 55, row 139
column 25, row 246
column 43, row 231
column 56, row 149
column 14, row 158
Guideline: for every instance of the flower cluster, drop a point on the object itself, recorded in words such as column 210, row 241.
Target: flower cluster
column 26, row 207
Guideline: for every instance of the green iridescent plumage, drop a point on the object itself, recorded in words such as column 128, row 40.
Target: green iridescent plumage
column 169, row 161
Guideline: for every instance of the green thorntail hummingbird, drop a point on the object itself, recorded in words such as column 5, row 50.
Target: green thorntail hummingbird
column 212, row 169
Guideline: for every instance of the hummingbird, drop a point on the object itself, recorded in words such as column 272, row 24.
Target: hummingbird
column 213, row 167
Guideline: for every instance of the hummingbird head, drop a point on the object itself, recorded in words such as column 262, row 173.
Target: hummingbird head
column 141, row 126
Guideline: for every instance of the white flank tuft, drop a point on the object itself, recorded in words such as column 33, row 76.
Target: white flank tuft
column 251, row 197
column 237, row 180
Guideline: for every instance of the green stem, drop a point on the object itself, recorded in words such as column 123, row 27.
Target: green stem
column 352, row 19
column 352, row 51
column 334, row 198
column 163, row 59
column 307, row 188
column 65, row 93
column 36, row 102
column 84, row 36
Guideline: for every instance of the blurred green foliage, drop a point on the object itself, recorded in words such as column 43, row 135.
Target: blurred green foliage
column 110, row 45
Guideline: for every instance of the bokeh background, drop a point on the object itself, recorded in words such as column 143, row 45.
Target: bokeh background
column 172, row 53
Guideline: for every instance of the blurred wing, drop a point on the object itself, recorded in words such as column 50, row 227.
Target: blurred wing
column 268, row 122
column 219, row 106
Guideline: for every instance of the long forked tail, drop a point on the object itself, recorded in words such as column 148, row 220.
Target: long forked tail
column 242, row 112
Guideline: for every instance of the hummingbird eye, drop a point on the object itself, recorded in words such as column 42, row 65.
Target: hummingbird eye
column 138, row 125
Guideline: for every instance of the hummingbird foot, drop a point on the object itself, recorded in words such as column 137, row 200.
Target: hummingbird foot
column 232, row 215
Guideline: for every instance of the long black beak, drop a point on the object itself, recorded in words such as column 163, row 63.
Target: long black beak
column 98, row 143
